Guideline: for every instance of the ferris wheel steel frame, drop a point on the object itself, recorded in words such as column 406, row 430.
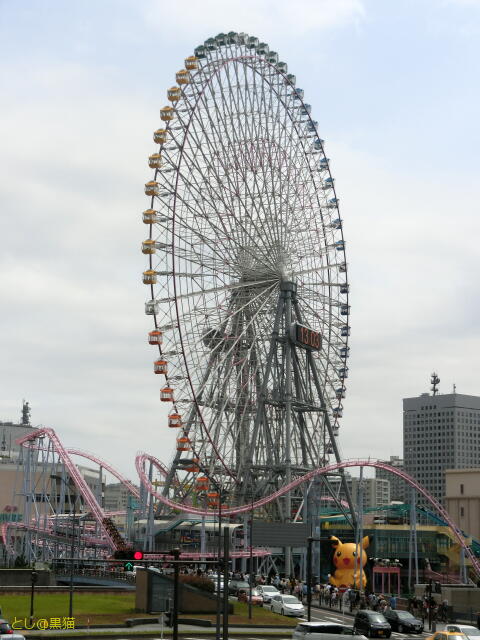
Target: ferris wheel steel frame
column 239, row 112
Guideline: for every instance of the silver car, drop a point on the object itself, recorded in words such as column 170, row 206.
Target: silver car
column 323, row 631
column 287, row 605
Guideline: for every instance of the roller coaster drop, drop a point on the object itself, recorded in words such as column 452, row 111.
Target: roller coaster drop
column 43, row 534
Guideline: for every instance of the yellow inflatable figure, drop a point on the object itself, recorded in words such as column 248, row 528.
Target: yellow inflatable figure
column 344, row 561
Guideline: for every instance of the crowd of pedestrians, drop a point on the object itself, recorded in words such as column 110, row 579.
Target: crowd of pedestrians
column 350, row 599
column 328, row 595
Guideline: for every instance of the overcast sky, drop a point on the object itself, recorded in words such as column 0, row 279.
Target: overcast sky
column 395, row 88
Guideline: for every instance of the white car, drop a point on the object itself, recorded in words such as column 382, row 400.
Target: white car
column 466, row 629
column 323, row 631
column 287, row 605
column 267, row 591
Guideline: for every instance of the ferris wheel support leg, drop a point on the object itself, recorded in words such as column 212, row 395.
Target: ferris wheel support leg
column 313, row 368
column 261, row 404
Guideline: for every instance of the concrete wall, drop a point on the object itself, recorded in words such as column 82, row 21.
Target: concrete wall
column 22, row 578
column 191, row 599
column 461, row 599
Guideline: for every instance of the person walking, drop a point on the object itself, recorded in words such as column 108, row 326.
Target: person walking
column 352, row 596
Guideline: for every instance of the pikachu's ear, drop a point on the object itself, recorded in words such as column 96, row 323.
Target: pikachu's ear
column 365, row 542
column 335, row 542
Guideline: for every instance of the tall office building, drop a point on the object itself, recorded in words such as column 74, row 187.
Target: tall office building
column 375, row 491
column 397, row 484
column 440, row 431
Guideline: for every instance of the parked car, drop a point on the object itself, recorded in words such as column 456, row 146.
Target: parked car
column 372, row 623
column 287, row 605
column 244, row 596
column 466, row 629
column 234, row 586
column 403, row 621
column 6, row 631
column 267, row 591
column 323, row 631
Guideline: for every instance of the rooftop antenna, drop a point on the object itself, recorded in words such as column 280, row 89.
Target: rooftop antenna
column 25, row 413
column 434, row 381
column 454, row 388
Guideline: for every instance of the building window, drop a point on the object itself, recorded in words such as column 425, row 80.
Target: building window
column 461, row 490
column 462, row 512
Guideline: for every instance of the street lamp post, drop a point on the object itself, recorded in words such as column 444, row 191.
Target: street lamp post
column 219, row 569
column 34, row 578
column 70, row 602
column 176, row 568
column 310, row 542
column 250, row 536
column 220, row 493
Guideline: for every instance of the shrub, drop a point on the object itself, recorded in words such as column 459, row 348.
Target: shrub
column 201, row 582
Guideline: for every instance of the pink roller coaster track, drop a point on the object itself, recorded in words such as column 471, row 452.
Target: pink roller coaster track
column 143, row 458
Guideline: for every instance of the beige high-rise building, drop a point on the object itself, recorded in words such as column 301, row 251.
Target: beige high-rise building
column 462, row 499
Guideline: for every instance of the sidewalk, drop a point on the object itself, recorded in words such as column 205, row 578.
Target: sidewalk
column 155, row 631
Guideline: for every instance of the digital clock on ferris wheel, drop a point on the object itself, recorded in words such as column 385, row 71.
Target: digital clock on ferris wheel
column 306, row 337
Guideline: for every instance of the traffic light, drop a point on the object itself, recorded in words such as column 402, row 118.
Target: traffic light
column 138, row 555
column 34, row 577
column 169, row 618
column 128, row 566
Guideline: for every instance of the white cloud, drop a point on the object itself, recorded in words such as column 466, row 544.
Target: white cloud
column 258, row 17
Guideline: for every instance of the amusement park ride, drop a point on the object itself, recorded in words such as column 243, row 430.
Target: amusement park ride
column 249, row 298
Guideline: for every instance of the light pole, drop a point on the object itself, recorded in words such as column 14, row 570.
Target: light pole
column 219, row 569
column 185, row 462
column 250, row 536
column 176, row 556
column 70, row 601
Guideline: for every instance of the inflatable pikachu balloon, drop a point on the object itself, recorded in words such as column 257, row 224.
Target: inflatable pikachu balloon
column 346, row 573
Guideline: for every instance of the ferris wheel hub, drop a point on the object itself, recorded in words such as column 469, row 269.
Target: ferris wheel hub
column 288, row 285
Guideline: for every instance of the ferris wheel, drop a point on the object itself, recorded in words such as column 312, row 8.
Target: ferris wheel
column 247, row 276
